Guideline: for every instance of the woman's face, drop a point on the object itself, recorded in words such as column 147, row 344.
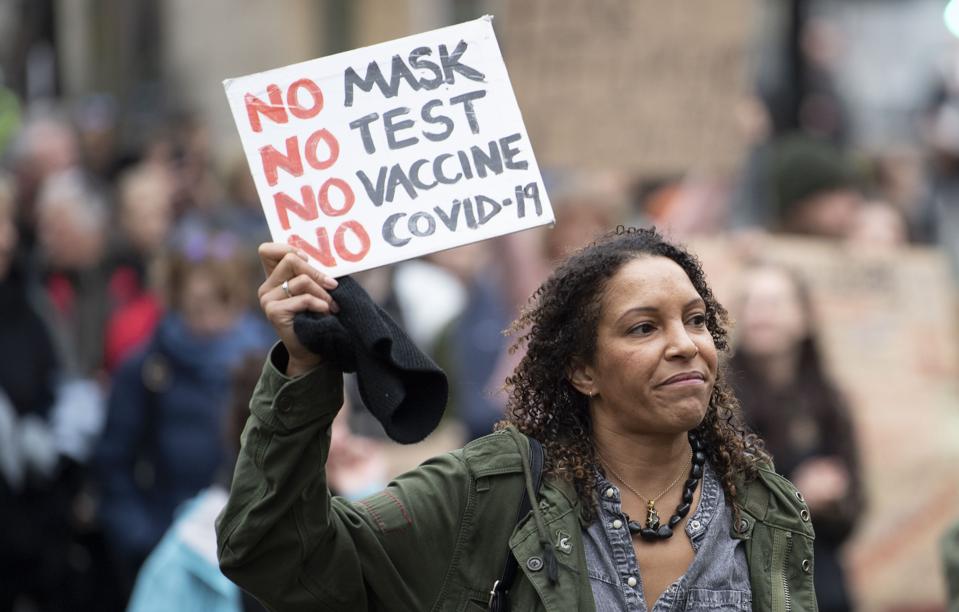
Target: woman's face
column 771, row 321
column 655, row 362
column 204, row 310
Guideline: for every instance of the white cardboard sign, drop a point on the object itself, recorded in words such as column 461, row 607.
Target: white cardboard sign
column 392, row 151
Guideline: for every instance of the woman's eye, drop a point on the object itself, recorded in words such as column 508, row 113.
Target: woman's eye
column 642, row 329
column 698, row 320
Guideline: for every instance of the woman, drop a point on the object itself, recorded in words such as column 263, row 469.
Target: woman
column 161, row 443
column 788, row 399
column 651, row 491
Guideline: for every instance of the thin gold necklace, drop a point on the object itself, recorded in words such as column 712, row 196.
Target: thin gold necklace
column 652, row 517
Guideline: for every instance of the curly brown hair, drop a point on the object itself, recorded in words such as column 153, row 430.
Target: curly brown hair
column 560, row 324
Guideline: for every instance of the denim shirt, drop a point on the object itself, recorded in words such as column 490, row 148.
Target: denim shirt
column 717, row 578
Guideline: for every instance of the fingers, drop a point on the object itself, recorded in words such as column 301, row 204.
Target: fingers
column 278, row 258
column 302, row 284
column 281, row 312
column 271, row 253
column 282, row 263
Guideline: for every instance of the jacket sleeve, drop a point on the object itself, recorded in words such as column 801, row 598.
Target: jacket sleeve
column 287, row 541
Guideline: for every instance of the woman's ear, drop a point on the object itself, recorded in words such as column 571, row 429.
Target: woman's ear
column 580, row 375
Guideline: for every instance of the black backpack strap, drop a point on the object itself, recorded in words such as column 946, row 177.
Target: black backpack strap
column 499, row 596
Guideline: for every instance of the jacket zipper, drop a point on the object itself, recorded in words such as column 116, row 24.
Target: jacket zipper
column 786, row 596
column 781, row 597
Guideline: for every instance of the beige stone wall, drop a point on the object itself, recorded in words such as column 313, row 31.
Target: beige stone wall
column 642, row 86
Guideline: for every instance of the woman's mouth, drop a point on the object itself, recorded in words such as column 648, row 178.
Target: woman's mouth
column 684, row 379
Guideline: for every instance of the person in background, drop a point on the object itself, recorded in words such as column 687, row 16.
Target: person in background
column 72, row 225
column 788, row 399
column 182, row 572
column 45, row 146
column 814, row 188
column 880, row 225
column 32, row 500
column 145, row 216
column 162, row 440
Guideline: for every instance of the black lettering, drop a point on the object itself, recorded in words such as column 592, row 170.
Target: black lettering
column 398, row 178
column 418, row 63
column 470, row 217
column 438, row 170
column 532, row 191
column 429, row 118
column 373, row 77
column 363, row 123
column 392, row 128
column 415, row 175
column 389, row 230
column 401, row 71
column 509, row 153
column 375, row 193
column 451, row 64
column 484, row 215
column 482, row 161
column 467, row 100
column 465, row 163
column 453, row 219
column 414, row 224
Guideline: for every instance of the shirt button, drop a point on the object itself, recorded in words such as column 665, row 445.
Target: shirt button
column 617, row 524
column 610, row 492
column 694, row 524
column 631, row 582
column 284, row 404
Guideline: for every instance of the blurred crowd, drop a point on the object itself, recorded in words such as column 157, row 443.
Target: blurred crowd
column 131, row 339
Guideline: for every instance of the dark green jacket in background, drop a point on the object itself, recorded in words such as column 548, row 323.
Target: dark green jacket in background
column 436, row 538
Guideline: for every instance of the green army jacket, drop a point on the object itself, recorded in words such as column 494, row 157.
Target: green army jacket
column 436, row 538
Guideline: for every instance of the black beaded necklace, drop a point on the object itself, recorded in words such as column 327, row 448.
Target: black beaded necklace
column 654, row 530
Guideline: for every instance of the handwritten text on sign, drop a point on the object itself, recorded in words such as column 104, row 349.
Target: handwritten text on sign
column 392, row 151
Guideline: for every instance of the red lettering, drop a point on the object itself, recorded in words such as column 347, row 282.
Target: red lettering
column 348, row 197
column 314, row 141
column 320, row 252
column 293, row 99
column 305, row 210
column 274, row 110
column 339, row 241
column 273, row 159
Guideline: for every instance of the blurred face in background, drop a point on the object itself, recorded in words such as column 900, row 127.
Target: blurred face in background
column 772, row 320
column 146, row 208
column 207, row 309
column 71, row 223
column 831, row 214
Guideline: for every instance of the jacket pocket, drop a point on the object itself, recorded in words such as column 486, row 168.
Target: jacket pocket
column 710, row 599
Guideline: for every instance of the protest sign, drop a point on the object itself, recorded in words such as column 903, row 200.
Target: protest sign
column 392, row 151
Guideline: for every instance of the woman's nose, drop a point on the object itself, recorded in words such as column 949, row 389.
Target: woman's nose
column 681, row 345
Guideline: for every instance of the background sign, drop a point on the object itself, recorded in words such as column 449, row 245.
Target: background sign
column 647, row 87
column 392, row 151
